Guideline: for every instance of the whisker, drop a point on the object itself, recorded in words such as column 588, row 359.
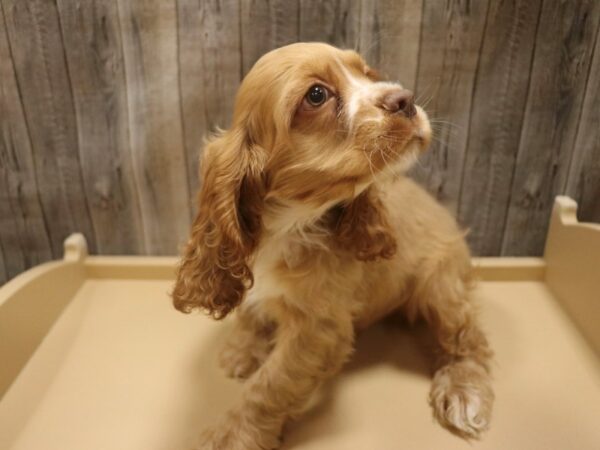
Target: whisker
column 429, row 85
column 423, row 98
column 443, row 129
column 427, row 101
column 369, row 160
column 445, row 122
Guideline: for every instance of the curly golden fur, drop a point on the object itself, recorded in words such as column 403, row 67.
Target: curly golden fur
column 307, row 227
column 214, row 269
column 362, row 227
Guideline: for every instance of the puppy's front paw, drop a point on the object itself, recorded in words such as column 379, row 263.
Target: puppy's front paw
column 461, row 397
column 238, row 362
column 233, row 433
column 212, row 439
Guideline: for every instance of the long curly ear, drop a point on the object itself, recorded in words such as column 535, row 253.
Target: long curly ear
column 363, row 228
column 214, row 274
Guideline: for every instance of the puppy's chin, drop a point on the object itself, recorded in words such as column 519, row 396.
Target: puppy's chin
column 409, row 157
column 409, row 154
column 422, row 129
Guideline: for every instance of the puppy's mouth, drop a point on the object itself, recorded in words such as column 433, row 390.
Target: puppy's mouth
column 418, row 131
column 397, row 149
column 422, row 129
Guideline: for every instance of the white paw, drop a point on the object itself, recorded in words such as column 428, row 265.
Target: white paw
column 461, row 398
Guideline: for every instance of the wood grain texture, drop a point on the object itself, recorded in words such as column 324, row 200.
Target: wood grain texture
column 583, row 182
column 495, row 121
column 565, row 38
column 209, row 71
column 3, row 272
column 265, row 25
column 333, row 21
column 93, row 50
column 389, row 35
column 36, row 43
column 448, row 65
column 104, row 105
column 23, row 236
column 149, row 37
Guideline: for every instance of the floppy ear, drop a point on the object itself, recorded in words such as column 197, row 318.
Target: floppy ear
column 213, row 274
column 363, row 228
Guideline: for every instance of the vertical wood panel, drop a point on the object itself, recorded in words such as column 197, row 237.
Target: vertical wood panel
column 209, row 71
column 104, row 104
column 584, row 175
column 448, row 63
column 3, row 273
column 7, row 228
column 495, row 122
column 333, row 21
column 389, row 36
column 38, row 55
column 95, row 62
column 565, row 40
column 23, row 238
column 149, row 36
column 385, row 32
column 265, row 25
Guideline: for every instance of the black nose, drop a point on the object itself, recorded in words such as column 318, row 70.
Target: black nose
column 399, row 101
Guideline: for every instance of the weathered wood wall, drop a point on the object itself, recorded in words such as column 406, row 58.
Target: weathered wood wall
column 104, row 103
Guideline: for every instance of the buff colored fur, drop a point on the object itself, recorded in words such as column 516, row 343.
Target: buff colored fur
column 307, row 227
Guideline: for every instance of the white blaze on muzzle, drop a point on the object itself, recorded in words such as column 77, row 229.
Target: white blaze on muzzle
column 364, row 92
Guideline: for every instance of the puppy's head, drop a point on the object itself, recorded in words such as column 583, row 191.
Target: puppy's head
column 332, row 127
column 313, row 129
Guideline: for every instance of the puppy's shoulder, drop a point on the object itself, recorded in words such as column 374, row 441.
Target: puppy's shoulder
column 410, row 205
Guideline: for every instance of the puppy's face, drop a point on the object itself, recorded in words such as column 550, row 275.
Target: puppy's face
column 329, row 126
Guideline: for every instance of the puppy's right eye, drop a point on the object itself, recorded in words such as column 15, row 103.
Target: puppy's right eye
column 317, row 95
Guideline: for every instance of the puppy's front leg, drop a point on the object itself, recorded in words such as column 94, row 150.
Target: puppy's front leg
column 307, row 351
column 461, row 393
column 248, row 346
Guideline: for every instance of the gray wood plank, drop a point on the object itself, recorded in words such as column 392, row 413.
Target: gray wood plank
column 95, row 61
column 149, row 37
column 495, row 122
column 389, row 35
column 9, row 231
column 38, row 56
column 385, row 32
column 451, row 38
column 333, row 21
column 583, row 182
column 566, row 34
column 3, row 273
column 209, row 71
column 265, row 25
column 24, row 240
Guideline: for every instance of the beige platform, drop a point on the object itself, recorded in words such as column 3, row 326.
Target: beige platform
column 93, row 356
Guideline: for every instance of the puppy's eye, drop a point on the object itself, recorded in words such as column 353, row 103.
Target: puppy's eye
column 317, row 95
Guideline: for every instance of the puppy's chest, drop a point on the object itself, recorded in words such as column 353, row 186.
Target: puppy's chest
column 288, row 269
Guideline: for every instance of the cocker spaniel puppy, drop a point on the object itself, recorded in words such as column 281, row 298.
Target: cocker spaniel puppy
column 307, row 226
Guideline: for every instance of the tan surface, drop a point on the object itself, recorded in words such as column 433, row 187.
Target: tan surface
column 119, row 368
column 122, row 370
column 573, row 267
column 31, row 303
